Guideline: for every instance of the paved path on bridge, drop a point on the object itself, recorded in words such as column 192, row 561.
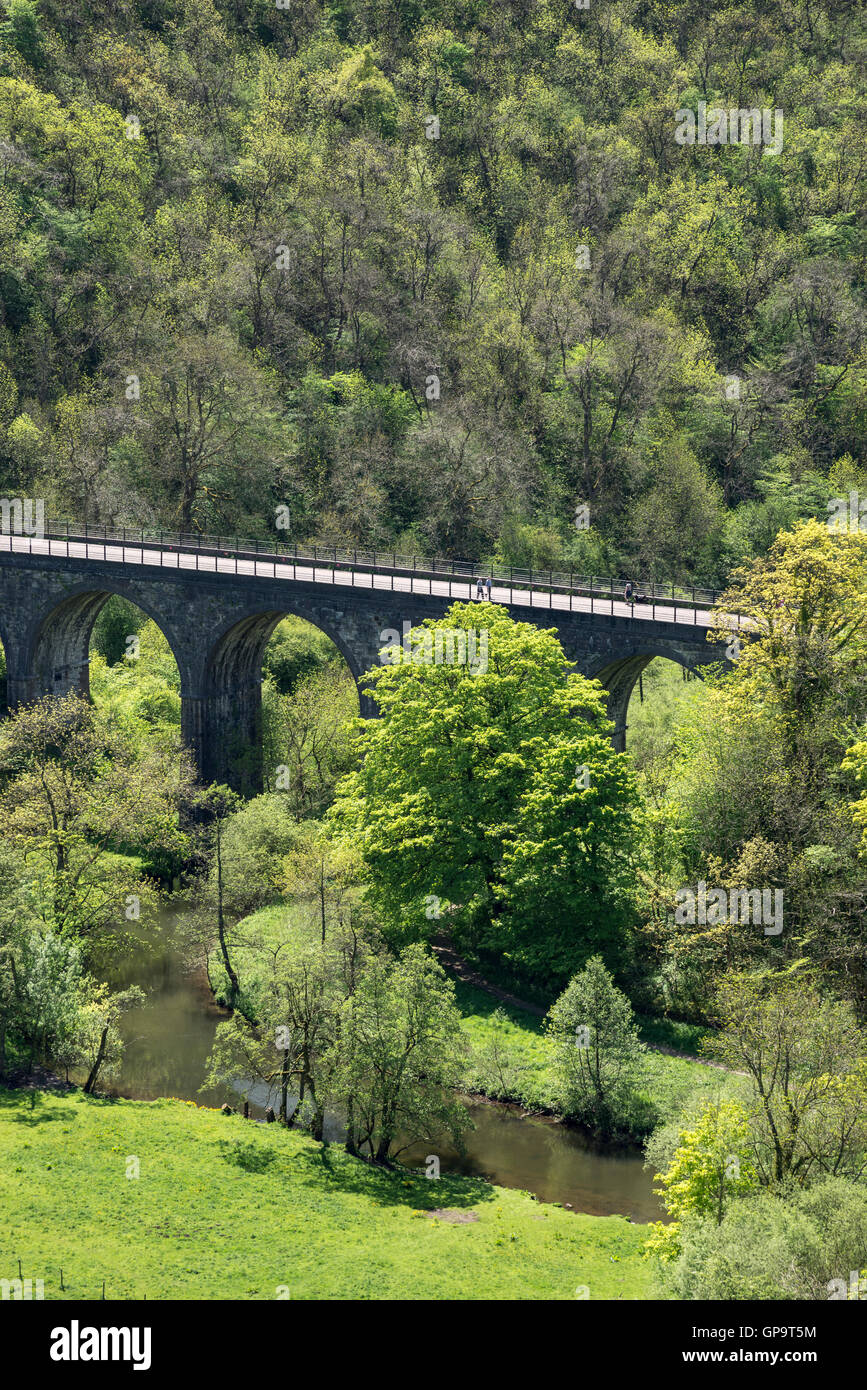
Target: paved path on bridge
column 336, row 576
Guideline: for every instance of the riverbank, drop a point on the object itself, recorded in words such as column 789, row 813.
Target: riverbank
column 224, row 1209
column 511, row 1055
column 510, row 1052
column 169, row 1036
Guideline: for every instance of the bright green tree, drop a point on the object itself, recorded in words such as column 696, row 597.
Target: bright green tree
column 400, row 1055
column 712, row 1164
column 597, row 1053
column 806, row 1060
column 489, row 795
column 79, row 800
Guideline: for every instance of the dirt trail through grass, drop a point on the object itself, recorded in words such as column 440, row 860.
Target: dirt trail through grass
column 462, row 970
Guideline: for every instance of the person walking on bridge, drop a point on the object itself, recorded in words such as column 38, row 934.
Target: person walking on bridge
column 489, row 585
column 480, row 587
column 629, row 592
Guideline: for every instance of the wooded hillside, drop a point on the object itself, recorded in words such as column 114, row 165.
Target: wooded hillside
column 434, row 275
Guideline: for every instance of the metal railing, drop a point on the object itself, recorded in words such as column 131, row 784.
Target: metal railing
column 551, row 589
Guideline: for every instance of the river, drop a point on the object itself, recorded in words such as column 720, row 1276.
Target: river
column 169, row 1037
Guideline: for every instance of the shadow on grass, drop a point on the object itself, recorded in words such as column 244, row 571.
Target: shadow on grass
column 687, row 1038
column 29, row 1107
column 403, row 1187
column 392, row 1186
column 478, row 1002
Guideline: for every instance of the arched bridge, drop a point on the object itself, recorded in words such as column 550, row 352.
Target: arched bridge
column 218, row 602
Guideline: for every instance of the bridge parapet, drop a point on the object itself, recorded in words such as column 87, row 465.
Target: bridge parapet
column 218, row 610
column 239, row 556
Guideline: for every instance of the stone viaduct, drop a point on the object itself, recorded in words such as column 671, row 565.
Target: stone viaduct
column 218, row 611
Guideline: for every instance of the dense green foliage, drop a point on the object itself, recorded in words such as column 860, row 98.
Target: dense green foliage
column 808, row 1247
column 85, row 809
column 597, row 1053
column 326, row 1016
column 757, row 786
column 440, row 278
column 234, row 258
column 797, row 1131
column 488, row 797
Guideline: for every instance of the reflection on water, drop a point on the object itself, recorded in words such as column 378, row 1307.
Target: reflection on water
column 167, row 1044
column 554, row 1162
column 168, row 1038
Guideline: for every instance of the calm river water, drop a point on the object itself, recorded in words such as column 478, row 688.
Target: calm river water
column 167, row 1044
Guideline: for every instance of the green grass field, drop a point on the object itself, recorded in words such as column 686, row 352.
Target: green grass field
column 673, row 1083
column 226, row 1209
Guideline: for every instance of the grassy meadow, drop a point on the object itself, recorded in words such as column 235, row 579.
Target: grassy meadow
column 226, row 1209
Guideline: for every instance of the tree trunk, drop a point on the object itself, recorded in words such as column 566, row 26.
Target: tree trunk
column 296, row 1114
column 351, row 1144
column 234, row 986
column 284, row 1089
column 94, row 1071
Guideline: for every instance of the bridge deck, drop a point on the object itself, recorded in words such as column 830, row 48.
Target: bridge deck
column 340, row 574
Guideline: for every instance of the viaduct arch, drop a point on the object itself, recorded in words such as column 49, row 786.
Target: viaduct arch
column 218, row 623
